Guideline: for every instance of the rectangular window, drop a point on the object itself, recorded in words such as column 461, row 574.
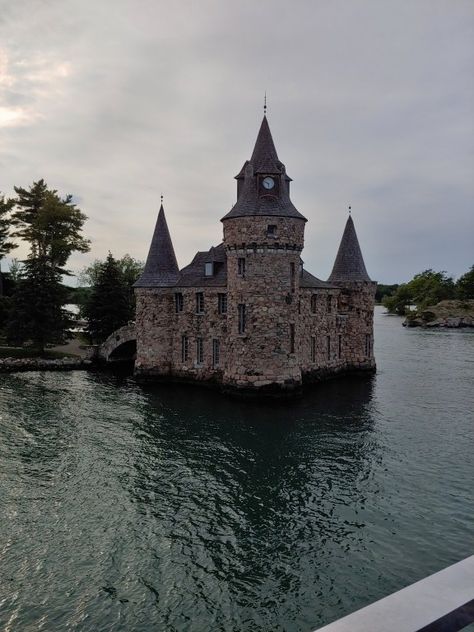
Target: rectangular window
column 178, row 302
column 329, row 300
column 313, row 348
column 199, row 351
column 339, row 346
column 271, row 230
column 184, row 348
column 292, row 338
column 222, row 303
column 199, row 302
column 314, row 303
column 241, row 266
column 215, row 352
column 242, row 323
column 208, row 269
column 329, row 347
column 292, row 277
column 368, row 345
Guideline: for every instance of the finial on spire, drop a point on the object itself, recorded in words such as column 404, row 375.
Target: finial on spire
column 161, row 199
column 265, row 104
column 350, row 209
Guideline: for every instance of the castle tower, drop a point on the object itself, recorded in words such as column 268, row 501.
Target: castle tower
column 263, row 238
column 155, row 302
column 357, row 297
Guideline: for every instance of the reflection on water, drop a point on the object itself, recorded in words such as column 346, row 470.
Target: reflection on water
column 175, row 508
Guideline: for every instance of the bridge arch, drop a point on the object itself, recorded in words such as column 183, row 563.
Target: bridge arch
column 120, row 345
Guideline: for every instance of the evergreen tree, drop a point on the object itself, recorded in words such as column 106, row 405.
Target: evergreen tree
column 465, row 285
column 5, row 232
column 108, row 306
column 52, row 226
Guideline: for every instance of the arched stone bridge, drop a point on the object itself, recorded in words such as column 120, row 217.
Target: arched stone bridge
column 120, row 345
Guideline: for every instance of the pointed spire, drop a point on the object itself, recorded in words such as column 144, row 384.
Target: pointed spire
column 349, row 264
column 264, row 157
column 161, row 267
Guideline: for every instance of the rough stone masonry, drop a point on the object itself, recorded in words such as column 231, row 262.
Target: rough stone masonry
column 246, row 315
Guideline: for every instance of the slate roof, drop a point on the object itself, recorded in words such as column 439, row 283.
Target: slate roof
column 193, row 275
column 349, row 264
column 264, row 160
column 161, row 268
column 309, row 280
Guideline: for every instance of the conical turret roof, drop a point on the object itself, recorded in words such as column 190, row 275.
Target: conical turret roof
column 264, row 156
column 349, row 264
column 161, row 267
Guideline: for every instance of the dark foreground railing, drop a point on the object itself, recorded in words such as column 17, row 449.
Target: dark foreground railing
column 443, row 602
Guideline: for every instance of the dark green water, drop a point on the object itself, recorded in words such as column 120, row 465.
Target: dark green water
column 135, row 509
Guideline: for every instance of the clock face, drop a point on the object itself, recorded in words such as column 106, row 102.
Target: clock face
column 268, row 183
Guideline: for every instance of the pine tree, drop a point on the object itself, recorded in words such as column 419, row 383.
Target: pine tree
column 5, row 232
column 108, row 306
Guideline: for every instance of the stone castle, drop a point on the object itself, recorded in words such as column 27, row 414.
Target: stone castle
column 245, row 314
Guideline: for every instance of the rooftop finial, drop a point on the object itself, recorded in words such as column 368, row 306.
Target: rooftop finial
column 161, row 199
column 349, row 209
column 265, row 104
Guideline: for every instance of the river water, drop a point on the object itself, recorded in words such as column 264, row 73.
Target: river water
column 175, row 509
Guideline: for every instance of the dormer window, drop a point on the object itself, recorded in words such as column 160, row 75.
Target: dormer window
column 271, row 230
column 209, row 269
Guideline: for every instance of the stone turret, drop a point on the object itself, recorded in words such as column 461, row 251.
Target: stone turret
column 263, row 238
column 155, row 302
column 357, row 297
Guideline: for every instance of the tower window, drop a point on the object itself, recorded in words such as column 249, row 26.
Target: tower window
column 222, row 303
column 368, row 345
column 314, row 303
column 292, row 276
column 178, row 302
column 184, row 348
column 199, row 302
column 242, row 318
column 329, row 303
column 241, row 266
column 199, row 351
column 209, row 269
column 215, row 352
column 292, row 338
column 328, row 342
column 313, row 348
column 339, row 346
column 271, row 230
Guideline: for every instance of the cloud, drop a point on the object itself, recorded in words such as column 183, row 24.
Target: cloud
column 370, row 103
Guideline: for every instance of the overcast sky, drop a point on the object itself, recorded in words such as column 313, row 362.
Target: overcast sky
column 370, row 103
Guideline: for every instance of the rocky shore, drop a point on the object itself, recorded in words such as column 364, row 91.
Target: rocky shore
column 13, row 365
column 449, row 314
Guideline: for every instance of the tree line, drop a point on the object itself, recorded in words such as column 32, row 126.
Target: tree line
column 429, row 288
column 33, row 296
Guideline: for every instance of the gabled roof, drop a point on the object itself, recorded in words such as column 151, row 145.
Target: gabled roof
column 193, row 275
column 161, row 268
column 349, row 264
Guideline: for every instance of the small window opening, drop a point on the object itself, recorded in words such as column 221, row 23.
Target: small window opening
column 339, row 346
column 292, row 277
column 314, row 303
column 199, row 351
column 329, row 303
column 242, row 318
column 199, row 302
column 184, row 348
column 241, row 266
column 368, row 345
column 178, row 302
column 271, row 230
column 215, row 352
column 292, row 338
column 209, row 269
column 329, row 347
column 222, row 303
column 313, row 348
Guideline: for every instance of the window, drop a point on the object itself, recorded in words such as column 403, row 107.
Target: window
column 209, row 269
column 368, row 345
column 241, row 310
column 178, row 302
column 241, row 266
column 329, row 347
column 329, row 303
column 199, row 351
column 292, row 277
column 222, row 303
column 314, row 303
column 215, row 352
column 184, row 348
column 292, row 338
column 339, row 346
column 313, row 348
column 199, row 302
column 271, row 230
